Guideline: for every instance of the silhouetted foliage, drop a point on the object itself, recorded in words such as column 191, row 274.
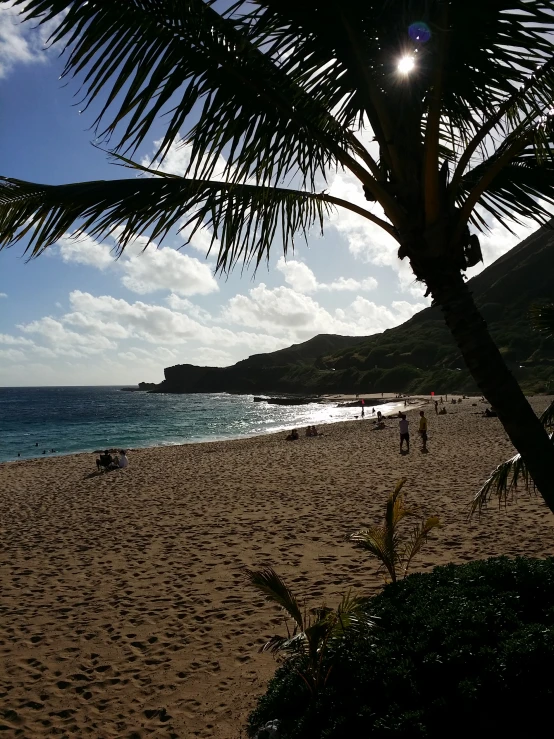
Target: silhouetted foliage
column 466, row 650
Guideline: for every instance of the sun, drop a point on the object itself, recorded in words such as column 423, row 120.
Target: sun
column 406, row 64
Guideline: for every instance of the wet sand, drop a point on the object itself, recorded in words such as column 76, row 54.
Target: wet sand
column 123, row 608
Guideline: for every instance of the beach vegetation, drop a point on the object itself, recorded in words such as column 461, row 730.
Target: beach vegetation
column 393, row 548
column 461, row 650
column 441, row 111
column 313, row 635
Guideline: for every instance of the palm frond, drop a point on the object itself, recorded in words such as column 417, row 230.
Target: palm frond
column 246, row 218
column 268, row 582
column 352, row 615
column 417, row 539
column 547, row 416
column 378, row 542
column 181, row 56
column 526, row 104
column 294, row 644
column 521, row 190
column 502, row 482
column 542, row 318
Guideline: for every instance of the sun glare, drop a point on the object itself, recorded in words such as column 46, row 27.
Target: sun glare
column 406, row 64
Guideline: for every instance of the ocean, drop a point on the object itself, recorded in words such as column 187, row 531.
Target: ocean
column 49, row 421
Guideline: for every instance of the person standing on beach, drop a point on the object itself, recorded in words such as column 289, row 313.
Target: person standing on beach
column 404, row 433
column 437, row 407
column 363, row 407
column 423, row 430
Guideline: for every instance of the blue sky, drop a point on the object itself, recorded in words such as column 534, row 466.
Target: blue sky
column 77, row 316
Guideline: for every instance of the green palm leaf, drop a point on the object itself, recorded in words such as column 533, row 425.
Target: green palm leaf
column 246, row 218
column 379, row 541
column 387, row 543
column 268, row 582
column 179, row 56
column 417, row 539
column 502, row 482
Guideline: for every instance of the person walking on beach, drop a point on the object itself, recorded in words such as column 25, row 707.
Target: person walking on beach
column 423, row 431
column 404, row 433
column 363, row 407
column 437, row 407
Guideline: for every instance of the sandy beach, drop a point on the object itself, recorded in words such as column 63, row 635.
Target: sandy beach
column 123, row 608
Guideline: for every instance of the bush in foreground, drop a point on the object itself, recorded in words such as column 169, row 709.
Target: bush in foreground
column 465, row 648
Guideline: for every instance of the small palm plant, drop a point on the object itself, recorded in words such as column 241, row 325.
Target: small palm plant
column 394, row 549
column 315, row 634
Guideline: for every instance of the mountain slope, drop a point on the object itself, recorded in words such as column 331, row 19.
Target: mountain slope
column 504, row 292
column 418, row 356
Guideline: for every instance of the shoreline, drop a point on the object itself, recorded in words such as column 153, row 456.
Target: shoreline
column 243, row 437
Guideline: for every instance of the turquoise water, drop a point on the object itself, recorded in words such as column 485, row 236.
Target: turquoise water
column 83, row 419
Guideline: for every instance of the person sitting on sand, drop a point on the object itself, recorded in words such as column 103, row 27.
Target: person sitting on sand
column 315, row 432
column 442, row 412
column 123, row 461
column 293, row 436
column 104, row 461
column 309, row 431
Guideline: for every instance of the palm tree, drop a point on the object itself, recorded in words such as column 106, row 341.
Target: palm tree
column 386, row 542
column 454, row 97
column 316, row 634
column 504, row 480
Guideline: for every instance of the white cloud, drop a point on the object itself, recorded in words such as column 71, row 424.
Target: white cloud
column 349, row 283
column 298, row 275
column 13, row 355
column 301, row 279
column 21, row 43
column 86, row 250
column 177, row 160
column 168, row 269
column 66, row 342
column 366, row 241
column 201, row 240
column 298, row 317
column 143, row 268
column 3, row 295
column 159, row 325
column 184, row 305
column 15, row 340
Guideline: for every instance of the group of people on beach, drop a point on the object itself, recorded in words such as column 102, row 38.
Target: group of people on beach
column 310, row 431
column 106, row 462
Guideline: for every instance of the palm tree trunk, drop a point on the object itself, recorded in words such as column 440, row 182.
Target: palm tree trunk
column 494, row 379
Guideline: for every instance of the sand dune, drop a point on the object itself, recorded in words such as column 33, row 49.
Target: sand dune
column 123, row 608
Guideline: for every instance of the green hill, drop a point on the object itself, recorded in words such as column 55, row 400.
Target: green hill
column 419, row 356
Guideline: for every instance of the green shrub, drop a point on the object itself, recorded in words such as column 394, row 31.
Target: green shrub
column 464, row 650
